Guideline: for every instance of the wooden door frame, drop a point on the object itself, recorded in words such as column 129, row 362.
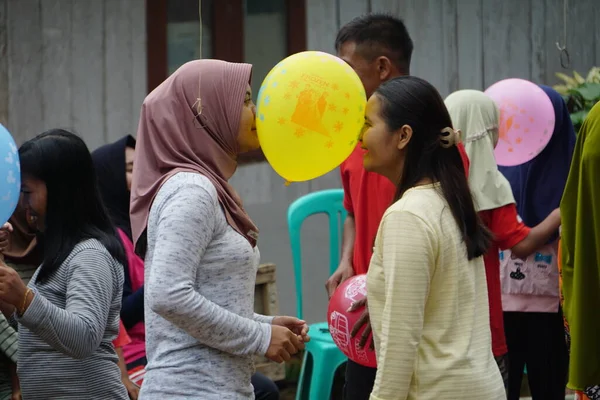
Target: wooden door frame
column 227, row 40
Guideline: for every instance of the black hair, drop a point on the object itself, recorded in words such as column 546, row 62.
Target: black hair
column 415, row 102
column 378, row 35
column 74, row 210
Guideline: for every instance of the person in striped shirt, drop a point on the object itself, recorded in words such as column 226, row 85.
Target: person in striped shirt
column 68, row 315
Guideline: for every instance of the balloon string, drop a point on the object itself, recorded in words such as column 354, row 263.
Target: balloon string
column 199, row 99
column 565, row 59
column 200, row 26
column 287, row 183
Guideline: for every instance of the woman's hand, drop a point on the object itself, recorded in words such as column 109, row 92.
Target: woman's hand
column 5, row 232
column 16, row 395
column 133, row 390
column 284, row 344
column 365, row 321
column 12, row 288
column 298, row 326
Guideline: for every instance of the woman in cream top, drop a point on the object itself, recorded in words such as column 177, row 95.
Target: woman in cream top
column 426, row 284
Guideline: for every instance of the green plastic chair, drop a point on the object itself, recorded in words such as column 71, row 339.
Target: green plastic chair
column 322, row 357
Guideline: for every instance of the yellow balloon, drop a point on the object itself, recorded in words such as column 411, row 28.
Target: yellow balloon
column 310, row 111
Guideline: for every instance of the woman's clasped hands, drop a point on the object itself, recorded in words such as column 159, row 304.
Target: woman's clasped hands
column 288, row 335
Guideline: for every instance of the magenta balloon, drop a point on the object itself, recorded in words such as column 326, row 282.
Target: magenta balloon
column 526, row 120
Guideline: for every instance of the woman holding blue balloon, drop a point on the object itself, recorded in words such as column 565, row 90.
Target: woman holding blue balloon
column 68, row 315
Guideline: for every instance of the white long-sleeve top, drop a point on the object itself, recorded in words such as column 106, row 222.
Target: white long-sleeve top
column 201, row 331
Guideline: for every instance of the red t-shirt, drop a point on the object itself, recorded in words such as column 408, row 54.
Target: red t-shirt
column 508, row 230
column 366, row 196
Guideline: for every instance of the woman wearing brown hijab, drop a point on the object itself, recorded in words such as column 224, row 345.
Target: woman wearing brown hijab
column 201, row 258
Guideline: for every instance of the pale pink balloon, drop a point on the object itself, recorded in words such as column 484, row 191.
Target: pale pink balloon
column 526, row 120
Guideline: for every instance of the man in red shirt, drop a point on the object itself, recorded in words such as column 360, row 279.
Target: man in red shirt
column 379, row 48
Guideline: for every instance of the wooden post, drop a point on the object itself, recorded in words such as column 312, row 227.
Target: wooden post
column 266, row 303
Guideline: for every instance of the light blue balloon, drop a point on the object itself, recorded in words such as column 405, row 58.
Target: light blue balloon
column 10, row 175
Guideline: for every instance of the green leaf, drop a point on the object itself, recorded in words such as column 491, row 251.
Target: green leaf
column 562, row 89
column 593, row 75
column 578, row 77
column 575, row 101
column 589, row 91
column 571, row 82
column 579, row 116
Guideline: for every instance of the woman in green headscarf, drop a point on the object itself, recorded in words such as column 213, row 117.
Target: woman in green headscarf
column 580, row 246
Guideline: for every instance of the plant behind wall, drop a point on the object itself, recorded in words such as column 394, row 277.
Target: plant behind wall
column 580, row 94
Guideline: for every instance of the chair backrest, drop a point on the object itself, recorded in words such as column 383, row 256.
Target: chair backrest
column 328, row 202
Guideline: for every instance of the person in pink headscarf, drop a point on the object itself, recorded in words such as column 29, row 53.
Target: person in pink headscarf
column 198, row 242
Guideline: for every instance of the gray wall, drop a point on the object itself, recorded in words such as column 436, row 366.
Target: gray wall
column 81, row 64
column 470, row 44
column 76, row 64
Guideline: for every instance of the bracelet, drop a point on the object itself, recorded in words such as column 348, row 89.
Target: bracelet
column 22, row 309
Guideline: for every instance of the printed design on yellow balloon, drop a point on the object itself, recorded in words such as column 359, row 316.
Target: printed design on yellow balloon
column 309, row 111
column 299, row 132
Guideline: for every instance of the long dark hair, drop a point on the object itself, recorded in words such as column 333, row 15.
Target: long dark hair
column 412, row 101
column 74, row 210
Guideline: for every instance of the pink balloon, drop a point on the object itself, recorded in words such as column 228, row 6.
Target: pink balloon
column 526, row 120
column 341, row 322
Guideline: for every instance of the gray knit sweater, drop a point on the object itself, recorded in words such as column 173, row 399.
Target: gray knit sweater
column 201, row 331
